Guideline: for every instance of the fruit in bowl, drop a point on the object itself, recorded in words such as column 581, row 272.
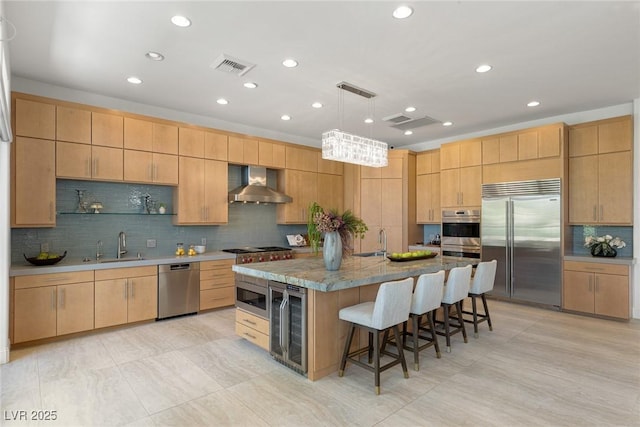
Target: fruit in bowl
column 45, row 258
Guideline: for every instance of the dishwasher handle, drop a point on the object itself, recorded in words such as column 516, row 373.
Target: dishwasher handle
column 167, row 268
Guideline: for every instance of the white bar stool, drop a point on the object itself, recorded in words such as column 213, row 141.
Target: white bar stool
column 482, row 283
column 455, row 291
column 390, row 309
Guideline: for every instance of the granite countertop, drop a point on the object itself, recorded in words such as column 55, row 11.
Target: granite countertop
column 355, row 271
column 68, row 265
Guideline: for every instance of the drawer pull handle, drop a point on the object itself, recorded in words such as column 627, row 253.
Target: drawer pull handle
column 253, row 337
column 251, row 322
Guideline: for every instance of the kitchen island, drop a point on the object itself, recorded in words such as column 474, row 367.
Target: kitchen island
column 356, row 281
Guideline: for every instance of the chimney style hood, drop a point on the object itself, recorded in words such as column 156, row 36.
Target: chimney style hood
column 254, row 188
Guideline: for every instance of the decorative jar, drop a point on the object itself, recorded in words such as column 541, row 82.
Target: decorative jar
column 332, row 250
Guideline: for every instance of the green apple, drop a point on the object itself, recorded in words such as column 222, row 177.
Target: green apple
column 406, row 255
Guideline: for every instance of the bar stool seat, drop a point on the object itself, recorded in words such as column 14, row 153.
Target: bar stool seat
column 482, row 283
column 390, row 309
column 455, row 291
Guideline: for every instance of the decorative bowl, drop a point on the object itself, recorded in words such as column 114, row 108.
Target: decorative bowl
column 413, row 258
column 200, row 249
column 49, row 261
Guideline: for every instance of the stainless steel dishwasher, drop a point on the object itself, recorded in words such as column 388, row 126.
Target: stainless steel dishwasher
column 178, row 289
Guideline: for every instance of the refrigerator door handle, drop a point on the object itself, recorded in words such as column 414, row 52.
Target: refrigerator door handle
column 510, row 244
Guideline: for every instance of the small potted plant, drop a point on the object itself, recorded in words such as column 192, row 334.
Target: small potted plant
column 162, row 208
column 604, row 245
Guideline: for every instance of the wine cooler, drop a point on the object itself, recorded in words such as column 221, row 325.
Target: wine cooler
column 288, row 325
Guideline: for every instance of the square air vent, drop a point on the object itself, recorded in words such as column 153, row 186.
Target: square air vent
column 397, row 118
column 415, row 123
column 231, row 65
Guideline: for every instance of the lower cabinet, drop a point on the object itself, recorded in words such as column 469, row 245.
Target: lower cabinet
column 596, row 288
column 125, row 295
column 252, row 328
column 48, row 305
column 217, row 284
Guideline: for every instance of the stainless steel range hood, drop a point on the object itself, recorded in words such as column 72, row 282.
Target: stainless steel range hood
column 254, row 188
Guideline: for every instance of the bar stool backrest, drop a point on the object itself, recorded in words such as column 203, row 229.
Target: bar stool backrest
column 392, row 305
column 457, row 285
column 428, row 293
column 484, row 278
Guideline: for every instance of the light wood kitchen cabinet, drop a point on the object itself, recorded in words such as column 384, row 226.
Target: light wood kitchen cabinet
column 84, row 161
column 217, row 284
column 73, row 125
column 461, row 187
column 329, row 166
column 301, row 159
column 49, row 305
column 243, row 151
column 394, row 169
column 147, row 167
column 596, row 288
column 145, row 135
column 529, row 144
column 461, row 154
column 330, row 191
column 125, row 295
column 34, row 119
column 252, row 328
column 216, row 146
column 302, row 186
column 428, row 210
column 201, row 195
column 271, row 155
column 428, row 162
column 602, row 136
column 33, row 183
column 191, row 142
column 107, row 130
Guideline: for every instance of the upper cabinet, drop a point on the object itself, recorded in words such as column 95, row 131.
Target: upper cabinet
column 191, row 142
column 428, row 209
column 73, row 125
column 304, row 159
column 601, row 172
column 107, row 130
column 145, row 135
column 271, row 155
column 243, row 151
column 216, row 146
column 461, row 154
column 461, row 174
column 35, row 119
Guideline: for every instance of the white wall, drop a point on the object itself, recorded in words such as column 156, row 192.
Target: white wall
column 635, row 276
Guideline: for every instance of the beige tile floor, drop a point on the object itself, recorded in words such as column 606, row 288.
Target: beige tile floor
column 537, row 368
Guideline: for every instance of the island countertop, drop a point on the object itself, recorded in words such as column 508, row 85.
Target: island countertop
column 354, row 271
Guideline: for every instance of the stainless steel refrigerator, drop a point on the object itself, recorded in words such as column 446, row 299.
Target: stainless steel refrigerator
column 521, row 228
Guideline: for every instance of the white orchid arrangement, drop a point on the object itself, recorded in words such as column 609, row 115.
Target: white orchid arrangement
column 614, row 242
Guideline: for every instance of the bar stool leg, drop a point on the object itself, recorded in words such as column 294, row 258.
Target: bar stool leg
column 446, row 327
column 416, row 350
column 403, row 362
column 475, row 316
column 376, row 359
column 347, row 346
column 432, row 327
column 461, row 320
column 371, row 351
column 486, row 311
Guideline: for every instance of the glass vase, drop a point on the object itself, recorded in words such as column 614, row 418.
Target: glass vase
column 332, row 251
column 603, row 249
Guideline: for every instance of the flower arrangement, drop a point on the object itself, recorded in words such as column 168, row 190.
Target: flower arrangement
column 346, row 224
column 603, row 245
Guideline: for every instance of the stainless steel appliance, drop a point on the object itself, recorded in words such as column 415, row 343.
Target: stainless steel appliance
column 288, row 325
column 461, row 233
column 521, row 229
column 249, row 254
column 178, row 289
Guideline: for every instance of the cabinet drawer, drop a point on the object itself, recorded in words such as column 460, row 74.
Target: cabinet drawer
column 218, row 275
column 223, row 264
column 252, row 321
column 122, row 273
column 215, row 284
column 214, row 298
column 251, row 335
column 621, row 270
column 35, row 281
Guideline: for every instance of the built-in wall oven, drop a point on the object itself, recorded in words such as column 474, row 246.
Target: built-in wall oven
column 461, row 233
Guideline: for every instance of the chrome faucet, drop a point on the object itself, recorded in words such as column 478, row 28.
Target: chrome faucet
column 98, row 250
column 122, row 244
column 382, row 239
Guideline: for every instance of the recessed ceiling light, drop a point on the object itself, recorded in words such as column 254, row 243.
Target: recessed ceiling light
column 250, row 85
column 155, row 56
column 134, row 80
column 368, row 120
column 290, row 63
column 317, row 105
column 483, row 68
column 402, row 12
column 285, row 117
column 408, row 132
column 181, row 21
column 222, row 101
column 533, row 104
column 410, row 109
column 447, row 123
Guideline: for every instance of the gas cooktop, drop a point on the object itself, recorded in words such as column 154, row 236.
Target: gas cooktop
column 252, row 250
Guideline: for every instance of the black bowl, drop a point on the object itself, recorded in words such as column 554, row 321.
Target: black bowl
column 48, row 261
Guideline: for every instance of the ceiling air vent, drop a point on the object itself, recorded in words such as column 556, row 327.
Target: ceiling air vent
column 229, row 64
column 415, row 123
column 397, row 118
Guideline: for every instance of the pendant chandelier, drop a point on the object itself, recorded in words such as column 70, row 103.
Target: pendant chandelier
column 346, row 147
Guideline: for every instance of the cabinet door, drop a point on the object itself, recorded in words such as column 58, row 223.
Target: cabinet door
column 330, row 191
column 216, row 146
column 110, row 302
column 250, row 152
column 35, row 119
column 34, row 182
column 449, row 187
column 107, row 130
column 189, row 195
column 471, row 186
column 615, row 135
column 165, row 169
column 583, row 190
column 508, row 148
column 108, row 163
column 138, row 134
column 142, row 298
column 73, row 160
column 165, row 139
column 615, row 188
column 271, row 155
column 470, row 153
column 236, row 150
column 577, row 291
column 434, row 199
column 34, row 313
column 549, row 141
column 138, row 166
column 423, row 197
column 191, row 142
column 450, row 156
column 75, row 308
column 216, row 192
column 490, row 151
column 612, row 295
column 73, row 125
column 301, row 159
column 528, row 145
column 371, row 202
column 391, row 212
column 583, row 140
column 302, row 186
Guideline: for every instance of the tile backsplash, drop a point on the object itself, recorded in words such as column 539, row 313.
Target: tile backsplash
column 124, row 210
column 579, row 232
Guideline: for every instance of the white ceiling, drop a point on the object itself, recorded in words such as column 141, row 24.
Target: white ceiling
column 570, row 56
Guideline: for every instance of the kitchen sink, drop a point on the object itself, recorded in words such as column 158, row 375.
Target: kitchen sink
column 368, row 254
column 106, row 261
